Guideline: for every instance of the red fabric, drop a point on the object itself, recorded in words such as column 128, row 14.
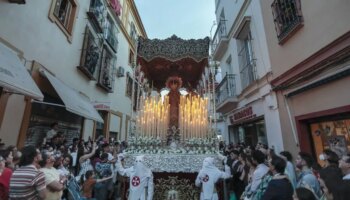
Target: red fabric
column 116, row 6
column 5, row 183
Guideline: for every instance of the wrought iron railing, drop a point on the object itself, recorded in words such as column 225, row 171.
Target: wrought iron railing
column 219, row 34
column 111, row 35
column 247, row 65
column 226, row 89
column 96, row 13
column 287, row 17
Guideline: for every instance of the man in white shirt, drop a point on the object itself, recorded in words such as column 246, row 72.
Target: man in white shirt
column 54, row 182
column 52, row 132
column 258, row 158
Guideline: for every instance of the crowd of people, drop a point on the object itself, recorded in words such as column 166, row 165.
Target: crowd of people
column 43, row 172
column 260, row 173
column 251, row 173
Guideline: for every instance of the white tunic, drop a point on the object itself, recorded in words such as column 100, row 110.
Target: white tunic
column 208, row 176
column 141, row 177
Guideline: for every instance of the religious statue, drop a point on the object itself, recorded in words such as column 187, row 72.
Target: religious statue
column 174, row 83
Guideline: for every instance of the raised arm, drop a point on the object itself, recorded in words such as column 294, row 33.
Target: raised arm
column 227, row 173
column 103, row 179
column 121, row 170
column 87, row 156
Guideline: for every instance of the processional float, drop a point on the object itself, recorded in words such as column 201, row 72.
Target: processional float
column 173, row 125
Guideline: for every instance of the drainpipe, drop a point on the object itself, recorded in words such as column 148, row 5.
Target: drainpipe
column 291, row 121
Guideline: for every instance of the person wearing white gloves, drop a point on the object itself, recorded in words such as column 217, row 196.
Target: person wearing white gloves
column 141, row 179
column 208, row 176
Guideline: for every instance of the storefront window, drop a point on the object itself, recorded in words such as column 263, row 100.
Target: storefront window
column 241, row 134
column 251, row 133
column 260, row 128
column 333, row 135
column 100, row 126
column 99, row 130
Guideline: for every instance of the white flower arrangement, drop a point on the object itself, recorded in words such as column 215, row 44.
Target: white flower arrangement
column 152, row 145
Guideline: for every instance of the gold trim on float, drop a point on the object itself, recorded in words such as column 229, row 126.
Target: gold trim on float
column 175, row 188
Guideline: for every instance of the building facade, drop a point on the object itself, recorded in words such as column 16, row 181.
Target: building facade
column 81, row 55
column 245, row 98
column 309, row 43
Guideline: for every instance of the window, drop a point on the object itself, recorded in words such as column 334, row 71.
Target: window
column 96, row 14
column 90, row 55
column 133, row 33
column 111, row 32
column 246, row 61
column 63, row 13
column 107, row 70
column 100, row 129
column 129, row 82
column 287, row 18
column 131, row 58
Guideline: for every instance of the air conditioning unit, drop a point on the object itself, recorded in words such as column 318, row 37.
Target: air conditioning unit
column 18, row 1
column 120, row 72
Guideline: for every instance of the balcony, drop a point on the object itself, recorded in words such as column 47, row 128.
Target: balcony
column 288, row 18
column 226, row 96
column 110, row 34
column 220, row 41
column 96, row 14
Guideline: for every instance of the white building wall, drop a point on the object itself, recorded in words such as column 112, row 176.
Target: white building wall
column 263, row 99
column 28, row 28
column 231, row 9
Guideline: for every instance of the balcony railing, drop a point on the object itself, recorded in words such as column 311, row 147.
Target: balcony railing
column 247, row 65
column 111, row 32
column 96, row 14
column 226, row 89
column 248, row 74
column 219, row 34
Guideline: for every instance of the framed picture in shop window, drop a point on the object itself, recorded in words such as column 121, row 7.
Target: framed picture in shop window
column 322, row 130
column 338, row 144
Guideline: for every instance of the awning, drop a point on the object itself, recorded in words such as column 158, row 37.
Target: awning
column 72, row 99
column 14, row 75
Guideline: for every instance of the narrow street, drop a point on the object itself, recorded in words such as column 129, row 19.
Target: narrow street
column 174, row 100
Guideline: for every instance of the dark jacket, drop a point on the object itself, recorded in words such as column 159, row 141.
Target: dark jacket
column 278, row 188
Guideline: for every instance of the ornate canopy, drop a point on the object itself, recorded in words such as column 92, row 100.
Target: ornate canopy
column 160, row 59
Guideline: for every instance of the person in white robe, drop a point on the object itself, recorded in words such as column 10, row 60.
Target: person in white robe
column 208, row 176
column 141, row 179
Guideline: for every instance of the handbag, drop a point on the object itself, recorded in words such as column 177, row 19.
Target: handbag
column 233, row 196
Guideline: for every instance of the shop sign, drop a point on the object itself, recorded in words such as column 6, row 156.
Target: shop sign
column 102, row 105
column 244, row 114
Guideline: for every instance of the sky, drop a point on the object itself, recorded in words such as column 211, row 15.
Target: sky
column 188, row 19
